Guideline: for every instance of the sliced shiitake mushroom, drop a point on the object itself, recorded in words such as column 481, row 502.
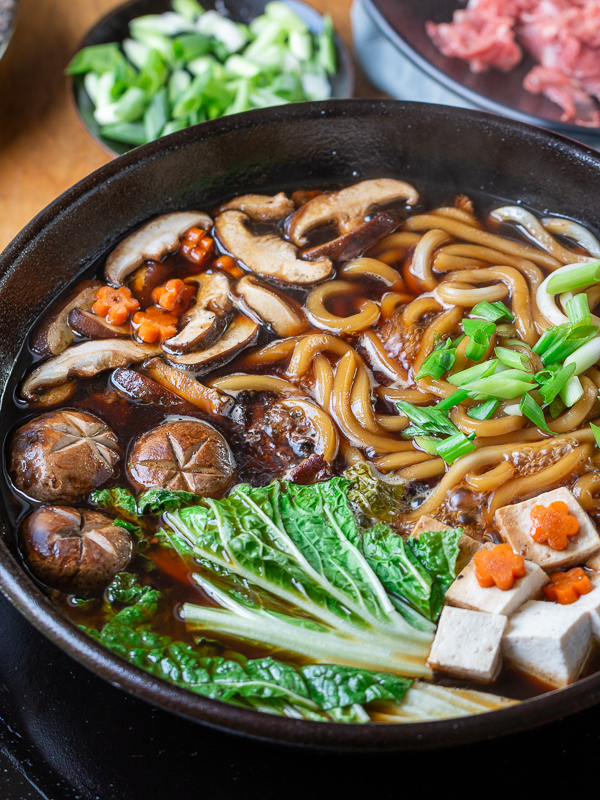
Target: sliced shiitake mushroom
column 261, row 206
column 352, row 244
column 92, row 326
column 84, row 361
column 268, row 255
column 241, row 333
column 74, row 549
column 151, row 242
column 207, row 318
column 136, row 386
column 347, row 208
column 282, row 314
column 54, row 334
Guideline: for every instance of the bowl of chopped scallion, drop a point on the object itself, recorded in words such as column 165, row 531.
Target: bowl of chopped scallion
column 153, row 67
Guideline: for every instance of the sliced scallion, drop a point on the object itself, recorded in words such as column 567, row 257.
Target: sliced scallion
column 532, row 411
column 479, row 333
column 573, row 276
column 571, row 392
column 493, row 312
column 512, row 358
column 483, row 411
column 585, row 356
column 456, row 446
column 474, row 373
column 452, row 400
column 557, row 380
column 436, row 363
column 578, row 309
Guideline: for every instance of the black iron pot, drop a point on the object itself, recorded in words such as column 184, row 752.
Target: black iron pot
column 302, row 145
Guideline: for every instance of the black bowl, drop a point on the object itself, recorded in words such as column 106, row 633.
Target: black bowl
column 403, row 23
column 114, row 27
column 302, row 145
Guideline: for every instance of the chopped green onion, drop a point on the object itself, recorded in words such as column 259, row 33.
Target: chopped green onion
column 504, row 330
column 428, row 419
column 596, row 432
column 483, row 411
column 456, row 446
column 532, row 411
column 571, row 392
column 558, row 342
column 452, row 400
column 428, row 444
column 578, row 309
column 474, row 373
column 492, row 311
column 479, row 333
column 573, row 276
column 512, row 358
column 585, row 356
column 556, row 407
column 436, row 363
column 549, row 389
column 501, row 385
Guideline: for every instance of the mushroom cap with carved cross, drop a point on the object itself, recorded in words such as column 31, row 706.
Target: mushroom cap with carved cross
column 187, row 455
column 74, row 549
column 63, row 455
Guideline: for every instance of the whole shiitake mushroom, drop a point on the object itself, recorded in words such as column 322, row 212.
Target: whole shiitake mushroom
column 62, row 456
column 187, row 455
column 72, row 549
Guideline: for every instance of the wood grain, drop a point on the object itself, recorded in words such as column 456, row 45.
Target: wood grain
column 43, row 147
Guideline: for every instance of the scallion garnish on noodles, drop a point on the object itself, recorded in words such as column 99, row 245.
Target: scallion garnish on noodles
column 493, row 312
column 532, row 411
column 474, row 373
column 440, row 360
column 552, row 381
column 479, row 333
column 428, row 424
column 573, row 276
column 578, row 309
column 560, row 341
column 512, row 358
column 483, row 411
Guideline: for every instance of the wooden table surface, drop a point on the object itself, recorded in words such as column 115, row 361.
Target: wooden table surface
column 43, row 148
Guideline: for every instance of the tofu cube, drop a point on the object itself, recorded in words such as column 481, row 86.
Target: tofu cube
column 468, row 644
column 591, row 603
column 465, row 591
column 514, row 523
column 549, row 641
column 466, row 544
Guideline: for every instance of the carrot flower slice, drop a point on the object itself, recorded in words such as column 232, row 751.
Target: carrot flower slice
column 173, row 295
column 567, row 587
column 196, row 245
column 553, row 525
column 154, row 325
column 499, row 567
column 114, row 304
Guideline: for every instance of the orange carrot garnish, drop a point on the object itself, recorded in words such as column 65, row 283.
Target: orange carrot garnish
column 114, row 304
column 498, row 567
column 154, row 325
column 567, row 587
column 196, row 245
column 228, row 265
column 173, row 295
column 553, row 525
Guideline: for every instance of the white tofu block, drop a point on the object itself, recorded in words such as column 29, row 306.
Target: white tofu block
column 468, row 644
column 549, row 641
column 514, row 523
column 465, row 591
column 466, row 544
column 591, row 603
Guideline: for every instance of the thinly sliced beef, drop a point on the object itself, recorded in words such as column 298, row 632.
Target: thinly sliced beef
column 562, row 35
